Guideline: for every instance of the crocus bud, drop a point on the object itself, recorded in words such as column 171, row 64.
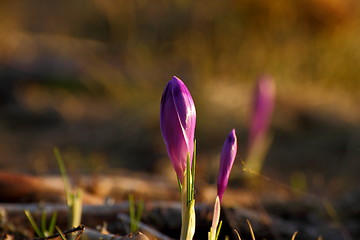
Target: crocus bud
column 177, row 123
column 263, row 105
column 228, row 155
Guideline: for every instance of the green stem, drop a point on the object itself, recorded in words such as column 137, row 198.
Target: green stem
column 188, row 203
column 187, row 215
column 76, row 208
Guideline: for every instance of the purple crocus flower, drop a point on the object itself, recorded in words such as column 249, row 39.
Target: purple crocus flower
column 228, row 155
column 263, row 105
column 177, row 122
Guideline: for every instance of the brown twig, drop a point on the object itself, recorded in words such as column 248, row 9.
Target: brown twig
column 91, row 234
column 68, row 231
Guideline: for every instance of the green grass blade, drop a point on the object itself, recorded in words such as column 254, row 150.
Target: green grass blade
column 132, row 213
column 218, row 230
column 61, row 233
column 33, row 224
column 64, row 175
column 135, row 213
column 139, row 212
column 52, row 223
column 43, row 222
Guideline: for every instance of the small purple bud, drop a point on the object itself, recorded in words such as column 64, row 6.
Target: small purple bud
column 263, row 105
column 177, row 123
column 228, row 155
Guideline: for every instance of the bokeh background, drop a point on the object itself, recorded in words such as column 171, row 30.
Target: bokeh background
column 87, row 77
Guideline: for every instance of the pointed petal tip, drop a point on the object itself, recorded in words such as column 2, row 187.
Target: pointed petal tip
column 232, row 135
column 175, row 78
column 177, row 82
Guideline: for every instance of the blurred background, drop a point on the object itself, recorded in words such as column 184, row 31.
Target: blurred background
column 87, row 77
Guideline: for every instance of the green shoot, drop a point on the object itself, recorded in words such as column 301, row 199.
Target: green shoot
column 257, row 153
column 75, row 208
column 63, row 173
column 42, row 231
column 132, row 213
column 218, row 230
column 33, row 224
column 139, row 212
column 73, row 198
column 62, row 235
column 135, row 214
column 43, row 221
column 52, row 223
